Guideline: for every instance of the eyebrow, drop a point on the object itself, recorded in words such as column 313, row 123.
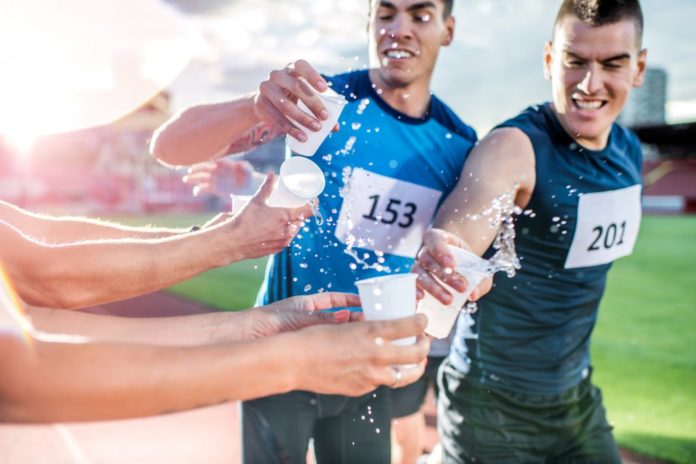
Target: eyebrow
column 415, row 6
column 619, row 57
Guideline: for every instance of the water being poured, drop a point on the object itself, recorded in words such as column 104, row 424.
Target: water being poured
column 318, row 217
column 351, row 240
column 500, row 214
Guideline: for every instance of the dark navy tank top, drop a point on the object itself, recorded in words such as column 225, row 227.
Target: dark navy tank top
column 534, row 329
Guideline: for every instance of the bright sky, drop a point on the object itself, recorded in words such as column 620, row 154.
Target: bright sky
column 63, row 70
column 492, row 70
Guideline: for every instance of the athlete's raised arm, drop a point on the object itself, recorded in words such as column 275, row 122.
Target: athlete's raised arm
column 500, row 170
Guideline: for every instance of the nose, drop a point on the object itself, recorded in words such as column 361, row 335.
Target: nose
column 399, row 28
column 591, row 81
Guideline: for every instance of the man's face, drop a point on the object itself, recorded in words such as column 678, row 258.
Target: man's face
column 405, row 38
column 592, row 71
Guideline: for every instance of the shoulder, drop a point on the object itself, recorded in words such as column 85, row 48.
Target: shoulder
column 628, row 141
column 506, row 152
column 446, row 117
column 533, row 120
column 352, row 85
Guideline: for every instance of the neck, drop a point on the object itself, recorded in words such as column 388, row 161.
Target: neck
column 411, row 99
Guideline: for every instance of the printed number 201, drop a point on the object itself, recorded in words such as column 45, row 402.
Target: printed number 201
column 607, row 238
column 391, row 215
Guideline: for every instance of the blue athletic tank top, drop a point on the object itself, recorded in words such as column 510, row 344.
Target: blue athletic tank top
column 386, row 173
column 534, row 329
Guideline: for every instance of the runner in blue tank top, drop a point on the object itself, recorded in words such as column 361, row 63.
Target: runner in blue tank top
column 522, row 392
column 398, row 153
column 386, row 170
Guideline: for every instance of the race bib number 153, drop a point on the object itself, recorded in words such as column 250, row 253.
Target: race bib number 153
column 607, row 227
column 385, row 214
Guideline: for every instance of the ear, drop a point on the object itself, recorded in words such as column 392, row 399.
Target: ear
column 639, row 77
column 449, row 31
column 548, row 59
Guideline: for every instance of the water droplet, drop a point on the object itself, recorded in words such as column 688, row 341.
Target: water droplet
column 379, row 341
column 448, row 136
column 378, row 306
column 307, row 287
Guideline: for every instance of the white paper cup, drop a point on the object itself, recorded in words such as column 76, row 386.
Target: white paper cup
column 300, row 181
column 468, row 260
column 239, row 201
column 442, row 317
column 334, row 103
column 389, row 297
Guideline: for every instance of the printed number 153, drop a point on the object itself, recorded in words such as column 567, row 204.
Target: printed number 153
column 395, row 211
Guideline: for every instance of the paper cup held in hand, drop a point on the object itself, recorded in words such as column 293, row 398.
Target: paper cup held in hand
column 300, row 181
column 442, row 317
column 389, row 297
column 334, row 103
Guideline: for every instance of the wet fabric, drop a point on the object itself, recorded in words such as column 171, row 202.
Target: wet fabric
column 484, row 424
column 534, row 329
column 277, row 429
column 383, row 147
column 405, row 167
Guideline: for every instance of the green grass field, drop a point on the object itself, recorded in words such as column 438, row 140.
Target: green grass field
column 644, row 347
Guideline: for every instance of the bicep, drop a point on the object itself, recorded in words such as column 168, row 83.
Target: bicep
column 497, row 175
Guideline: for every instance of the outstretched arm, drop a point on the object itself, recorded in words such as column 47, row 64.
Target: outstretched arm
column 499, row 173
column 56, row 229
column 206, row 132
column 100, row 381
column 90, row 272
column 215, row 327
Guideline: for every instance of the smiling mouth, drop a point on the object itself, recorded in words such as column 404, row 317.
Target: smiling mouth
column 588, row 105
column 397, row 54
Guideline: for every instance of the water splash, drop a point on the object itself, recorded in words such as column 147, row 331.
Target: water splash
column 351, row 240
column 316, row 212
column 502, row 212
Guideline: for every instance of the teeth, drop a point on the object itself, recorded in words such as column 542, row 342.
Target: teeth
column 398, row 54
column 588, row 105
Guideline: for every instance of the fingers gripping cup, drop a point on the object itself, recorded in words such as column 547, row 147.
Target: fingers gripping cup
column 300, row 181
column 442, row 317
column 389, row 297
column 334, row 103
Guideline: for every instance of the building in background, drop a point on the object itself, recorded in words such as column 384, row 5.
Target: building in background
column 647, row 104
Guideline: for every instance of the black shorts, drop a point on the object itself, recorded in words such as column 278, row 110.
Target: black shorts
column 477, row 423
column 409, row 399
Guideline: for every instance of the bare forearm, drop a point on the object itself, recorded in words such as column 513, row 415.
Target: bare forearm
column 52, row 229
column 198, row 329
column 112, row 381
column 88, row 273
column 206, row 132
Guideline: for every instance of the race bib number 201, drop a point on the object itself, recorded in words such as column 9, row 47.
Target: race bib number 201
column 607, row 227
column 384, row 214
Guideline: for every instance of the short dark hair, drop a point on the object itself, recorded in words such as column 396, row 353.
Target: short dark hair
column 600, row 12
column 446, row 12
